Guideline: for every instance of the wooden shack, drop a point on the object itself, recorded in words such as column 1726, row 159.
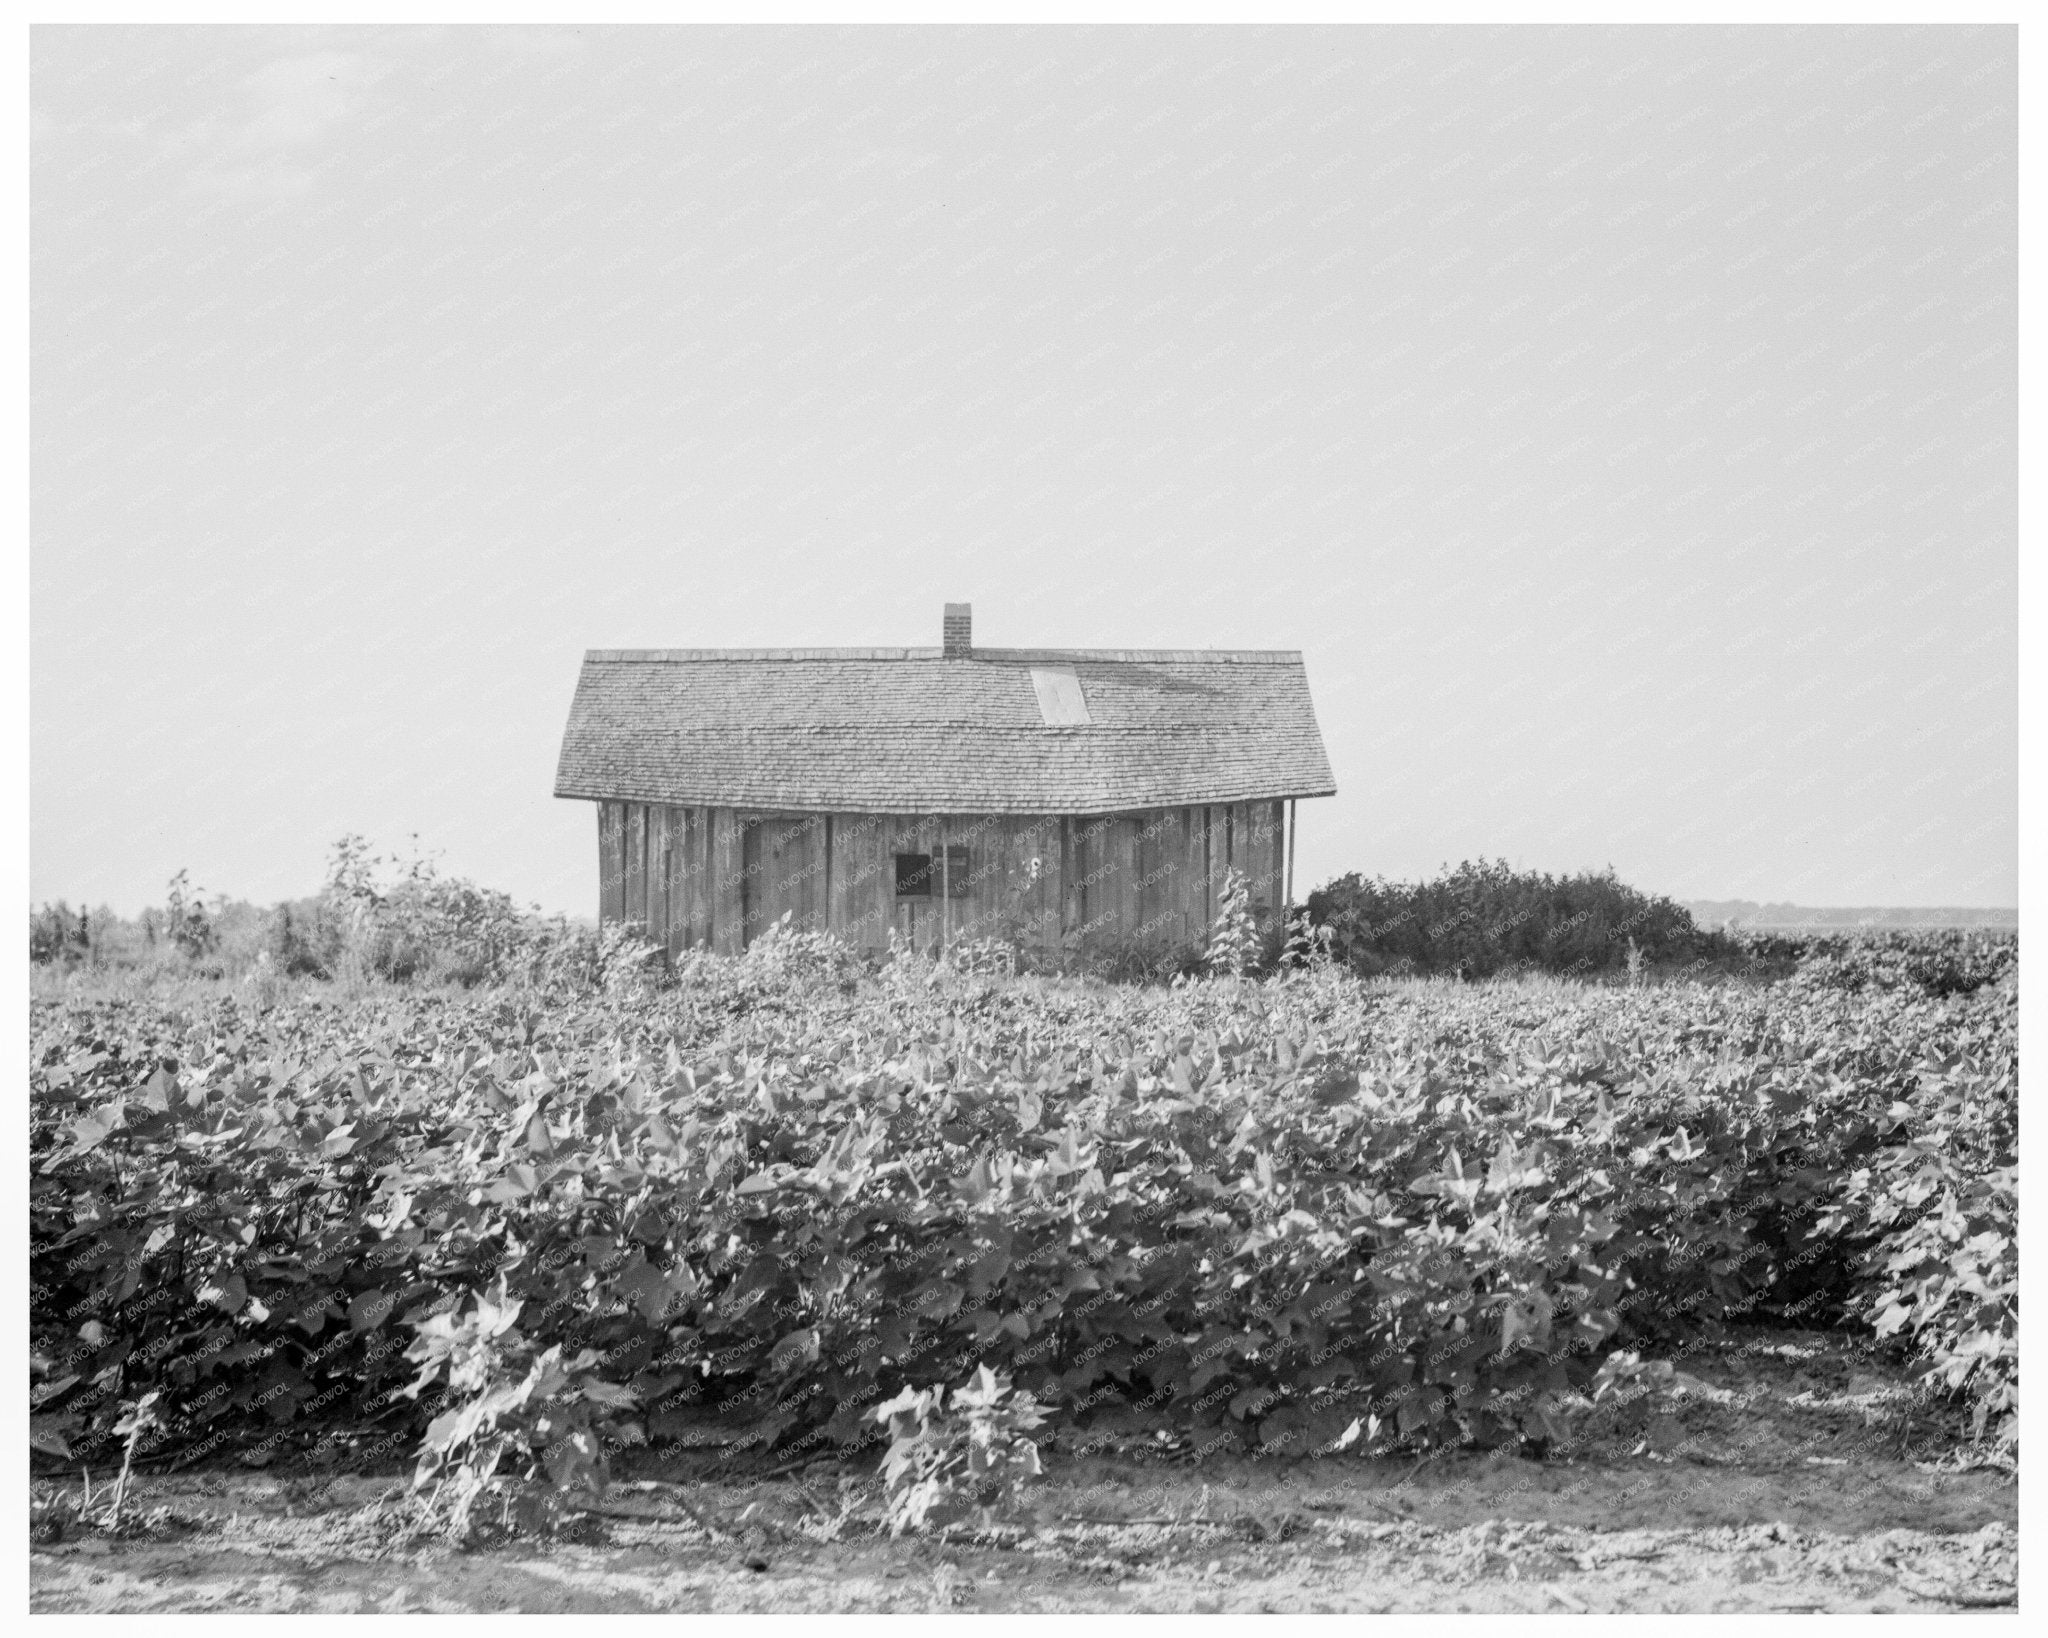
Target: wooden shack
column 1060, row 798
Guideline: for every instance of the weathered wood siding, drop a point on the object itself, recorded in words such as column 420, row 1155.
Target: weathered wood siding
column 863, row 884
column 784, row 867
column 717, row 877
column 1254, row 842
column 657, row 874
column 689, row 870
column 727, row 882
column 636, row 862
column 611, row 861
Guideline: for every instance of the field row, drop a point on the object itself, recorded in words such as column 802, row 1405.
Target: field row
column 1299, row 1215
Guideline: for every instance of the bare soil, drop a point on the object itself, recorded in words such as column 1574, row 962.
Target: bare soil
column 1786, row 1471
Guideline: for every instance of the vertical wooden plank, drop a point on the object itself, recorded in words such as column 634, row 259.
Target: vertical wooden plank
column 1037, row 890
column 757, row 841
column 895, row 834
column 941, row 911
column 1158, row 914
column 783, row 849
column 999, row 876
column 1244, row 844
column 1167, row 868
column 611, row 862
column 636, row 863
column 1233, row 841
column 1081, row 853
column 926, row 911
column 1100, row 877
column 948, row 827
column 809, row 901
column 679, row 864
column 980, row 883
column 839, row 828
column 897, row 837
column 1271, row 830
column 1164, row 843
column 988, row 876
column 782, row 846
column 932, row 911
column 727, row 867
column 678, row 883
column 1107, row 849
column 1276, row 858
column 908, row 913
column 880, row 896
column 1069, row 890
column 1016, row 893
column 1003, row 892
column 1048, row 840
column 704, row 881
column 1148, row 885
column 706, row 915
column 657, row 874
column 1287, row 854
column 767, row 894
column 1124, row 864
column 803, row 864
column 1005, row 896
column 1210, row 870
column 995, row 876
column 1193, row 896
column 691, row 877
column 1251, row 854
column 843, row 842
column 855, row 911
column 1138, row 897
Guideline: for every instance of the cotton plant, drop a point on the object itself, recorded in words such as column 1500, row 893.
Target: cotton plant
column 1234, row 935
column 949, row 1453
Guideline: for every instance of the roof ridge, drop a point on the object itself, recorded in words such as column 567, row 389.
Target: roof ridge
column 1181, row 656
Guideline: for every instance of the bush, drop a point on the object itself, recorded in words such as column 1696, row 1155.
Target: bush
column 1483, row 919
column 399, row 921
column 404, row 921
column 187, row 922
column 59, row 934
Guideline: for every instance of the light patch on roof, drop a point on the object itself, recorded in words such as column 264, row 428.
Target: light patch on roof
column 1059, row 696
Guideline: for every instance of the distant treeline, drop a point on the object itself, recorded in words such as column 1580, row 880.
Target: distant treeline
column 1783, row 917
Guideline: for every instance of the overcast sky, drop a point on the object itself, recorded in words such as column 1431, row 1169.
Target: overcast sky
column 1622, row 421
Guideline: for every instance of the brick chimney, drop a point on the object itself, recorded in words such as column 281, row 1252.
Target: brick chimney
column 959, row 631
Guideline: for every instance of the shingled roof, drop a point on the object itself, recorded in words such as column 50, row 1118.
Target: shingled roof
column 924, row 730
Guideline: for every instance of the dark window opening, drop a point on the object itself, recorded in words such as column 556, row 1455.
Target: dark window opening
column 928, row 876
column 913, row 875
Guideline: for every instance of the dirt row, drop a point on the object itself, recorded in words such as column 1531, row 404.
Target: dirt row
column 1792, row 1472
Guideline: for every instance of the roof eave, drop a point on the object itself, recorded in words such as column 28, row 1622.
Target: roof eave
column 1091, row 809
